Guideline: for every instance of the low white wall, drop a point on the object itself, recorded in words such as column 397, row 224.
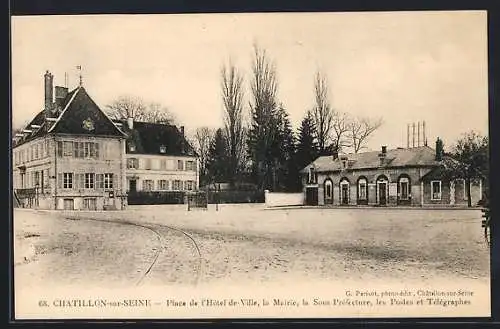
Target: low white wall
column 283, row 199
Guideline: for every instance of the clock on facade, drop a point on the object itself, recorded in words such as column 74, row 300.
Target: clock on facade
column 88, row 124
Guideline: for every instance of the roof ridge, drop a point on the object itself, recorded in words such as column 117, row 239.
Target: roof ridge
column 75, row 91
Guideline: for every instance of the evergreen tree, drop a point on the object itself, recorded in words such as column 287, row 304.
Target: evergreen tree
column 263, row 131
column 217, row 158
column 307, row 147
column 284, row 152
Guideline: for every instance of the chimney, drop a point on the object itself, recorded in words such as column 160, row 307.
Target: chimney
column 60, row 95
column 382, row 154
column 182, row 130
column 439, row 149
column 49, row 92
column 130, row 123
column 425, row 138
column 335, row 153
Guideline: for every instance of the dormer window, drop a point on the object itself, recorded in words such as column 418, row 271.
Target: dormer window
column 131, row 148
column 163, row 149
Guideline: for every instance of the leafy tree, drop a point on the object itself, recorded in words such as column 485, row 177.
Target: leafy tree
column 472, row 152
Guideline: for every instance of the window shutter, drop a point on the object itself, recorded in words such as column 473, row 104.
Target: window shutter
column 97, row 150
column 59, row 180
column 59, row 148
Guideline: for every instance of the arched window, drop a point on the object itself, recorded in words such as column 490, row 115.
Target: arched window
column 328, row 190
column 404, row 187
column 362, row 189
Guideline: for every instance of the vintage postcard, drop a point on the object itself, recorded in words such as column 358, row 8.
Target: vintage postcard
column 271, row 165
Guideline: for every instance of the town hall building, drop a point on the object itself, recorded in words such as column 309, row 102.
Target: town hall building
column 70, row 156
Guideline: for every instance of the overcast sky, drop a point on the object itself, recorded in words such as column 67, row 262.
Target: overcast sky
column 405, row 67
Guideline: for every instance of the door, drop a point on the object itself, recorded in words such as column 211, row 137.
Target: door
column 345, row 194
column 312, row 196
column 382, row 193
column 133, row 185
column 69, row 204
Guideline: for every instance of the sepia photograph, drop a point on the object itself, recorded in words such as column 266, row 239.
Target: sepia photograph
column 250, row 165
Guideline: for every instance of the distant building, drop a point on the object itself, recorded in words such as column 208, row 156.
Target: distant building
column 159, row 158
column 70, row 156
column 404, row 176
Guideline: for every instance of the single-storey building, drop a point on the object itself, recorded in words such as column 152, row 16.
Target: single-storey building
column 416, row 176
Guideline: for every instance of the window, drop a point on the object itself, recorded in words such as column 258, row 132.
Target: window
column 132, row 163
column 189, row 185
column 328, row 189
column 163, row 164
column 312, row 176
column 362, row 189
column 147, row 185
column 90, row 203
column 190, row 165
column 108, row 181
column 147, row 164
column 37, row 178
column 66, row 180
column 177, row 185
column 67, row 149
column 163, row 184
column 46, row 181
column 163, row 149
column 89, row 180
column 131, row 147
column 404, row 188
column 180, row 165
column 436, row 190
column 35, row 147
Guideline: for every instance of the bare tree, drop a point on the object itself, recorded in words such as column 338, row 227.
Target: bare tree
column 263, row 130
column 126, row 107
column 158, row 113
column 135, row 107
column 360, row 130
column 322, row 112
column 232, row 96
column 341, row 124
column 202, row 140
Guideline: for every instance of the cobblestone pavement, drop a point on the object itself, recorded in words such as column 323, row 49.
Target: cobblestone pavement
column 242, row 243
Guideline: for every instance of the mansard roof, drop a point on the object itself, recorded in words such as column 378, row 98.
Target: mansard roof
column 150, row 138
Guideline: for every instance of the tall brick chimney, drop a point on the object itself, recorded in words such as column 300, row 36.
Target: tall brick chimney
column 49, row 92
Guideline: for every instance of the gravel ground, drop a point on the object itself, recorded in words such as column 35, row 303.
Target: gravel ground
column 52, row 250
column 242, row 243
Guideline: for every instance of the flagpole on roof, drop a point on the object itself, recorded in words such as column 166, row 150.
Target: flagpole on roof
column 79, row 68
